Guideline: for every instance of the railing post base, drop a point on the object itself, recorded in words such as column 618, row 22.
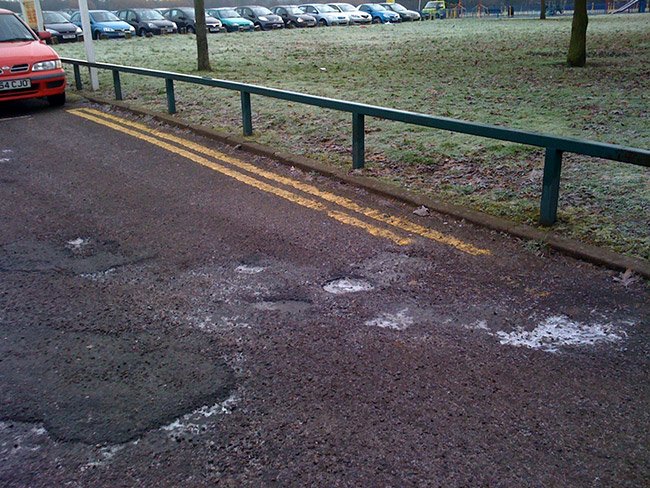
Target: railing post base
column 171, row 97
column 117, row 85
column 550, row 187
column 358, row 142
column 77, row 77
column 246, row 113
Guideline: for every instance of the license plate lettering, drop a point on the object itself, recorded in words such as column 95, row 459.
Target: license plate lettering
column 15, row 84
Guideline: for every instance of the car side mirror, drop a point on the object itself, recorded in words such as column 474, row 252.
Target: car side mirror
column 44, row 35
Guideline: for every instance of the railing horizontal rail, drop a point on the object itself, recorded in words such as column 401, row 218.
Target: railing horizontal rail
column 555, row 144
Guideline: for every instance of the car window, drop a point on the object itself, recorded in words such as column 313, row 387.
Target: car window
column 12, row 29
column 54, row 18
column 75, row 17
column 131, row 16
column 104, row 16
column 363, row 8
column 261, row 11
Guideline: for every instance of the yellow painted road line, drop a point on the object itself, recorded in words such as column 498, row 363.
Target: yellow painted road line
column 391, row 220
column 305, row 202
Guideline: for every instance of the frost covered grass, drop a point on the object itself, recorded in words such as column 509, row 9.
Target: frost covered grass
column 508, row 72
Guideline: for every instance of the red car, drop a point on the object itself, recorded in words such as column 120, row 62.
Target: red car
column 28, row 67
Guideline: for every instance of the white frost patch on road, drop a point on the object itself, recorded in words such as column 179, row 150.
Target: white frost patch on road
column 99, row 275
column 194, row 422
column 398, row 321
column 105, row 455
column 76, row 245
column 347, row 285
column 558, row 331
column 5, row 160
column 246, row 269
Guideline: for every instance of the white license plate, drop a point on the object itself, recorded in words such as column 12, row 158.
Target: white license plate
column 69, row 36
column 15, row 84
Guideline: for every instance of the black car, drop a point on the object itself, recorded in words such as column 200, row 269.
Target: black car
column 185, row 19
column 147, row 21
column 62, row 29
column 262, row 17
column 294, row 16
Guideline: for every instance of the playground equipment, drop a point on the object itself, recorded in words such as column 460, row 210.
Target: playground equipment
column 629, row 5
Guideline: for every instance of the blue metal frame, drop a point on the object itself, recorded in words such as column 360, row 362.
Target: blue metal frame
column 555, row 146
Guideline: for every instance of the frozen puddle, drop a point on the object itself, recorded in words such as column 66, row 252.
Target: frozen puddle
column 76, row 245
column 556, row 332
column 399, row 321
column 246, row 269
column 195, row 422
column 347, row 285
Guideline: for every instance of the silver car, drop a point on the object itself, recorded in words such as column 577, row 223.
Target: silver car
column 355, row 17
column 324, row 14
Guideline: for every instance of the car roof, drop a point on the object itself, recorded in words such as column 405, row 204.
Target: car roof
column 5, row 11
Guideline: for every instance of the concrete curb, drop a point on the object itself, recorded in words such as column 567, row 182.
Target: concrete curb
column 596, row 255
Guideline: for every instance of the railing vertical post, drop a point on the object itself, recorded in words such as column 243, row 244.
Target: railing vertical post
column 550, row 187
column 117, row 85
column 246, row 113
column 171, row 97
column 77, row 77
column 358, row 143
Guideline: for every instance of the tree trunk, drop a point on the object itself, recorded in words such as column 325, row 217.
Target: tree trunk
column 201, row 36
column 542, row 13
column 578, row 45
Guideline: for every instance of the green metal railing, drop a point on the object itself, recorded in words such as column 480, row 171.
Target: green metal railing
column 555, row 146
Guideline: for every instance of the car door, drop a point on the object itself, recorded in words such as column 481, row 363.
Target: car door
column 247, row 14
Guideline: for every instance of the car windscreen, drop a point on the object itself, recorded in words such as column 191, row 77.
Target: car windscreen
column 397, row 7
column 295, row 11
column 54, row 18
column 261, row 11
column 435, row 5
column 12, row 29
column 346, row 7
column 326, row 9
column 189, row 13
column 228, row 13
column 150, row 15
column 104, row 17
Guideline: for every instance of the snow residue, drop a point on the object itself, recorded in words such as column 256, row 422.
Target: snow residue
column 77, row 244
column 246, row 269
column 558, row 331
column 347, row 285
column 398, row 321
column 192, row 422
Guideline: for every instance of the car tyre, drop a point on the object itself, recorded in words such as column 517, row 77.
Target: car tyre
column 96, row 35
column 291, row 24
column 140, row 32
column 322, row 23
column 56, row 100
column 376, row 20
column 191, row 30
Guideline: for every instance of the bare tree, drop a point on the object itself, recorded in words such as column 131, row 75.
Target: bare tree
column 542, row 12
column 202, row 36
column 577, row 55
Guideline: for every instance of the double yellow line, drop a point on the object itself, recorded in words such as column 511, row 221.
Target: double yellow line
column 158, row 139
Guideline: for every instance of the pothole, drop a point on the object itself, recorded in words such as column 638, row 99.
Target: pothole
column 287, row 306
column 80, row 256
column 347, row 285
column 398, row 321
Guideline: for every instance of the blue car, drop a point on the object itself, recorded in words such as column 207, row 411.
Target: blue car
column 379, row 13
column 105, row 25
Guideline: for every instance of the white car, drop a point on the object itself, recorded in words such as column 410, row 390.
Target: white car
column 355, row 16
column 325, row 15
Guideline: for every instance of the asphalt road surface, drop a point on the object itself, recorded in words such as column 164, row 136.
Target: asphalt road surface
column 178, row 313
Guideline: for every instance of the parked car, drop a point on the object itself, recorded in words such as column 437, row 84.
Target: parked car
column 62, row 29
column 65, row 14
column 185, row 19
column 230, row 19
column 262, row 17
column 324, row 14
column 28, row 67
column 405, row 14
column 293, row 16
column 105, row 25
column 147, row 21
column 380, row 15
column 355, row 16
column 435, row 9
